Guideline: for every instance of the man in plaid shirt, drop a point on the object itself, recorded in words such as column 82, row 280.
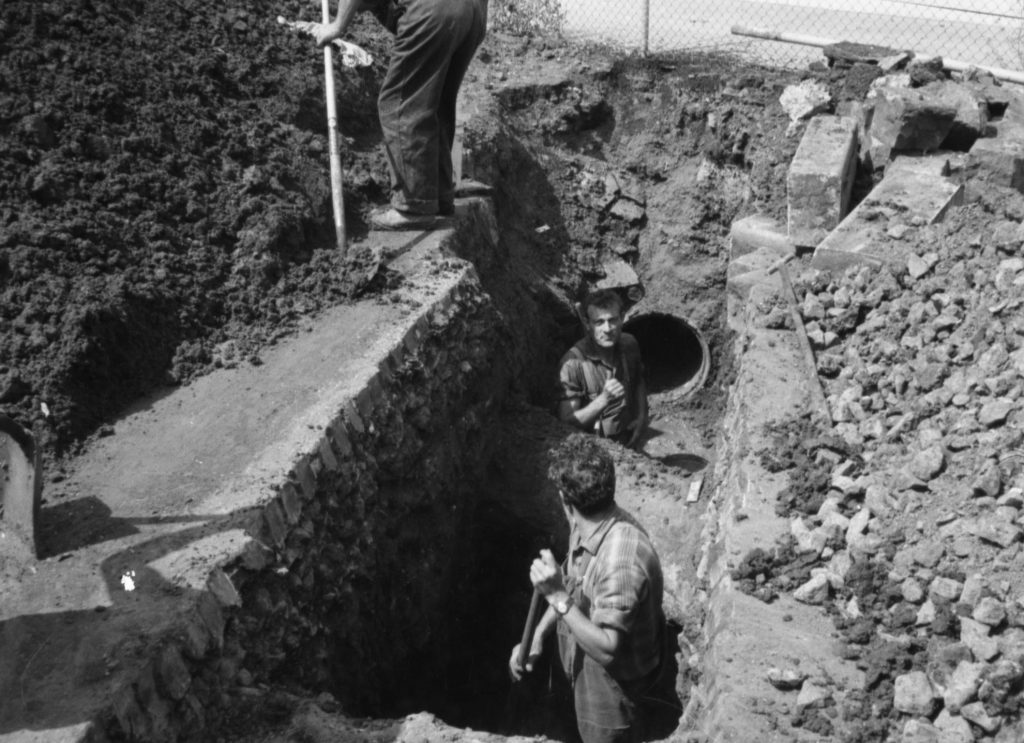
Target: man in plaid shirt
column 604, row 602
column 601, row 378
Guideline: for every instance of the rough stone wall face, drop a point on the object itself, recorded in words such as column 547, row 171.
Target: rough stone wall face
column 368, row 559
column 353, row 562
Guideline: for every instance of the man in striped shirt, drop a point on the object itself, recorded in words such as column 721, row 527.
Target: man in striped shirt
column 604, row 602
column 601, row 378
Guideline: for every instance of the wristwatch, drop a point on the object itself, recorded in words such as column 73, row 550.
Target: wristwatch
column 562, row 606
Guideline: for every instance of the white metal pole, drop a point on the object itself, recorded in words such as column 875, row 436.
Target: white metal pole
column 1012, row 76
column 334, row 141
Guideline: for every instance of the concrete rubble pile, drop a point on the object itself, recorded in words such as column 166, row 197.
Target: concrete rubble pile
column 923, row 370
column 913, row 545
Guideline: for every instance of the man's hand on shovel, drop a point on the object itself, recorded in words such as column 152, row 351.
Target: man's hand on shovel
column 516, row 668
column 352, row 55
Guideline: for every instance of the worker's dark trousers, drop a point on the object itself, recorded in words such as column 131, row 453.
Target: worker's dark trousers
column 434, row 43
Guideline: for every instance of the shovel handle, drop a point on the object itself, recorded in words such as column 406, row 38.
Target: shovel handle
column 337, row 193
column 531, row 618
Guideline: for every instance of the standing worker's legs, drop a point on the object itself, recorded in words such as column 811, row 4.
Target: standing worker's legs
column 461, row 58
column 428, row 35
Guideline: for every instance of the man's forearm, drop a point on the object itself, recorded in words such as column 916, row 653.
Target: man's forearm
column 597, row 642
column 345, row 13
column 545, row 625
column 585, row 416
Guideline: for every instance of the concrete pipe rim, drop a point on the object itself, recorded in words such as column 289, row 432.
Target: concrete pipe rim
column 666, row 342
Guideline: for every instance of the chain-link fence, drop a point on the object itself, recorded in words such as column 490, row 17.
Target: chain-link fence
column 979, row 32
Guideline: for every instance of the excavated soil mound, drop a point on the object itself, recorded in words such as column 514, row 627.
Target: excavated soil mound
column 164, row 200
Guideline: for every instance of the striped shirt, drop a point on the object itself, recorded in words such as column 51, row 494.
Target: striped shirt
column 582, row 375
column 623, row 586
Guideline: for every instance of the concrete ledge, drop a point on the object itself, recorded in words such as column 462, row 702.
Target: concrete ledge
column 820, row 178
column 743, row 636
column 132, row 627
column 758, row 231
column 914, row 192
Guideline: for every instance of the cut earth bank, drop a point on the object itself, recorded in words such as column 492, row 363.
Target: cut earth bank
column 306, row 589
column 126, row 255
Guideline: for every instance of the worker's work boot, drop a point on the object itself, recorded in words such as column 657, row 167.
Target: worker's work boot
column 468, row 187
column 392, row 219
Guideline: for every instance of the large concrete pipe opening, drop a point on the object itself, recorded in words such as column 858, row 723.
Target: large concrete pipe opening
column 675, row 353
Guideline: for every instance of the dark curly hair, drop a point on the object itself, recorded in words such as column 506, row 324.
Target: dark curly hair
column 584, row 472
column 604, row 299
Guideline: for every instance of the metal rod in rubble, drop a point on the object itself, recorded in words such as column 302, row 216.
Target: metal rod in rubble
column 1012, row 76
column 334, row 140
column 647, row 26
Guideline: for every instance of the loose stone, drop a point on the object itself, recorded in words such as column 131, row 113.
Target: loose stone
column 928, row 463
column 975, row 712
column 989, row 611
column 815, row 591
column 914, row 694
column 954, row 729
column 946, row 589
column 962, row 685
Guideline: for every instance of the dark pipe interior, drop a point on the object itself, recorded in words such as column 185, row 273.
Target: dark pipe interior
column 671, row 351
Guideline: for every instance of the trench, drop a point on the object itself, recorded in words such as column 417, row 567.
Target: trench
column 464, row 561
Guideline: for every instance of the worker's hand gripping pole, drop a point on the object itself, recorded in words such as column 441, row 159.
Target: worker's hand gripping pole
column 337, row 195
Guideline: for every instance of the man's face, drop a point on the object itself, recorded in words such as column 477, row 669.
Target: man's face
column 604, row 325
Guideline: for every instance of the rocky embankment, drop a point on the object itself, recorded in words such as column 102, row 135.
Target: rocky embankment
column 906, row 511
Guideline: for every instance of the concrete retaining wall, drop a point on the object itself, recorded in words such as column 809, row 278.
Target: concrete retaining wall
column 346, row 566
column 743, row 636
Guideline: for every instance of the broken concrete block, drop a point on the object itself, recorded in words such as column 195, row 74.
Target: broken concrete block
column 925, row 70
column 820, row 179
column 971, row 114
column 989, row 611
column 914, row 694
column 954, row 729
column 913, row 189
column 912, row 591
column 815, row 591
column 962, row 685
column 786, row 679
column 807, row 540
column 750, row 270
column 976, row 636
column 811, row 694
column 995, row 413
column 927, row 464
column 975, row 712
column 945, row 589
column 991, row 529
column 628, row 211
column 908, row 120
column 851, row 52
column 999, row 159
column 919, row 731
column 618, row 275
